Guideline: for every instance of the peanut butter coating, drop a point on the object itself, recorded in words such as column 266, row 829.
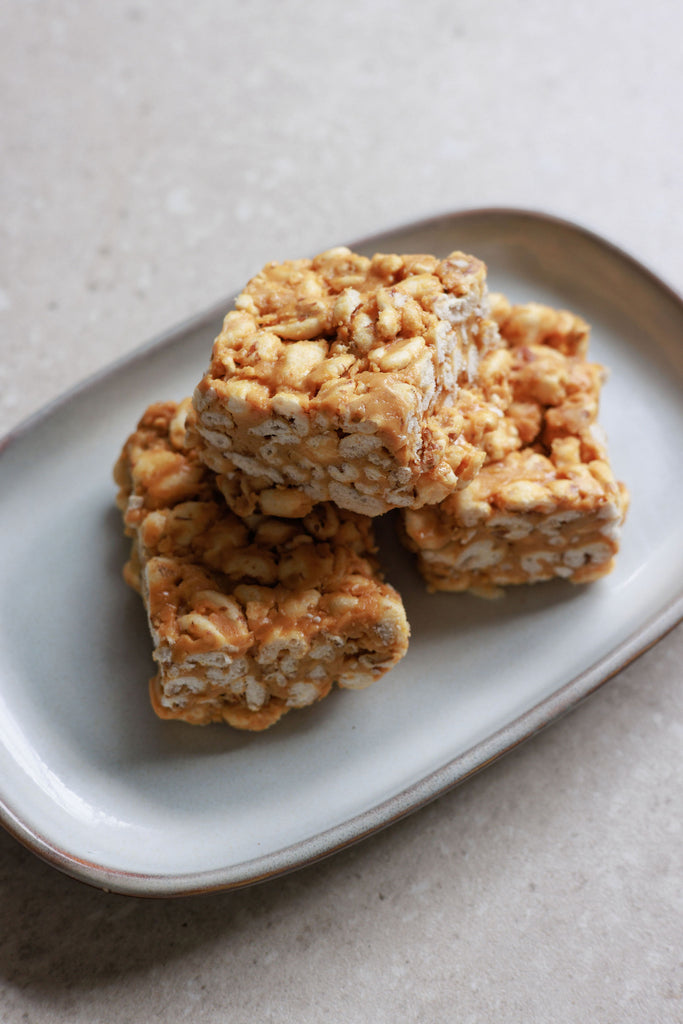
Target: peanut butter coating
column 342, row 378
column 545, row 504
column 250, row 617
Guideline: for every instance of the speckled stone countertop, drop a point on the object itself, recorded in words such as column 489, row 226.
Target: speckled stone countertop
column 155, row 156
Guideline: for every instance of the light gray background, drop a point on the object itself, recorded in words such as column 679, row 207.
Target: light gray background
column 154, row 156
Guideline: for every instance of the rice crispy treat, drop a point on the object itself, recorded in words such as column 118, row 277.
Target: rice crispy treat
column 546, row 503
column 340, row 378
column 253, row 617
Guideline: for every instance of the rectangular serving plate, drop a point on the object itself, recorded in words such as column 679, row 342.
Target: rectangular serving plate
column 95, row 784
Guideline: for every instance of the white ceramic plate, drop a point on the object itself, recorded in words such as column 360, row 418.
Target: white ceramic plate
column 94, row 783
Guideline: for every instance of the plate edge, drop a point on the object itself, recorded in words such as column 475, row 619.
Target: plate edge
column 219, row 308
column 325, row 844
column 502, row 741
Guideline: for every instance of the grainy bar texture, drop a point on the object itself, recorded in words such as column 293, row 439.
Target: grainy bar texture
column 253, row 617
column 340, row 378
column 546, row 503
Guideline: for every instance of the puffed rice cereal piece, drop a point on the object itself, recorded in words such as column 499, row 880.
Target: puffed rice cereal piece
column 340, row 379
column 546, row 504
column 249, row 617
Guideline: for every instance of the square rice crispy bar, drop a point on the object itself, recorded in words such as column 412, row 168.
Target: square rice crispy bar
column 252, row 617
column 346, row 379
column 546, row 503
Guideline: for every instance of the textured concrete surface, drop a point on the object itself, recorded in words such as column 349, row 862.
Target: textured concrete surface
column 154, row 155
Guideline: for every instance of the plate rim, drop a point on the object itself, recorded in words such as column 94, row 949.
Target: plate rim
column 412, row 798
column 217, row 309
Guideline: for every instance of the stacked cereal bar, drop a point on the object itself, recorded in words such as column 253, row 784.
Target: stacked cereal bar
column 546, row 503
column 340, row 388
column 340, row 378
column 250, row 617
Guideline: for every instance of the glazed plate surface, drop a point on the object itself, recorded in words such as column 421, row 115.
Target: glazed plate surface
column 94, row 783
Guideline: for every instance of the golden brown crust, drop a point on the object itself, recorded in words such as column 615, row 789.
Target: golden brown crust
column 335, row 379
column 546, row 503
column 249, row 617
column 532, row 323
